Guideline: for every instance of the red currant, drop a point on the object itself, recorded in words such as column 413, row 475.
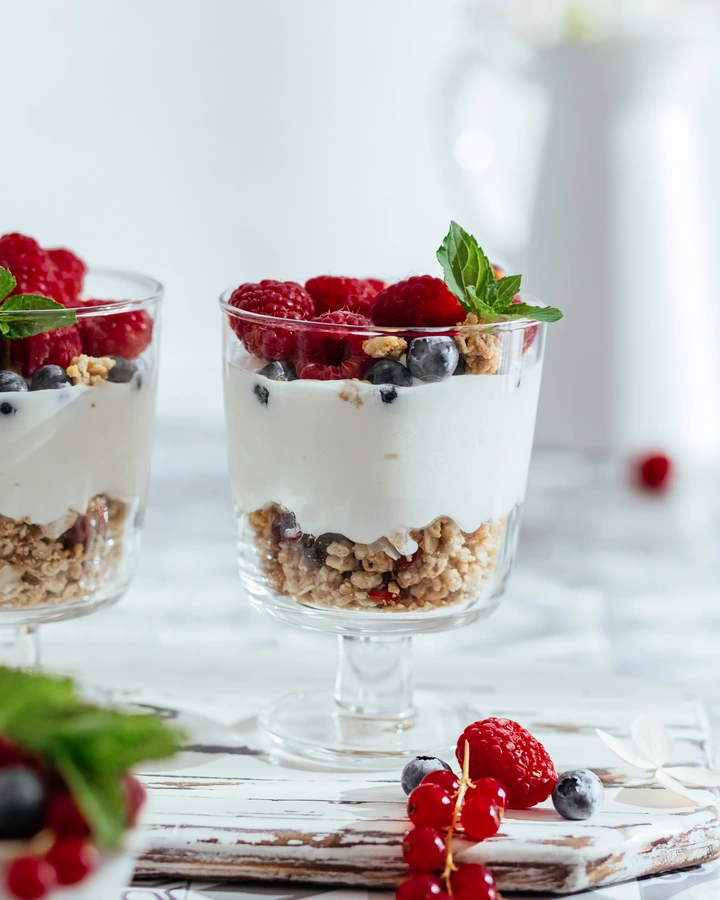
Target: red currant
column 443, row 778
column 473, row 882
column 73, row 859
column 135, row 797
column 489, row 787
column 64, row 818
column 424, row 848
column 420, row 886
column 654, row 472
column 429, row 804
column 29, row 877
column 480, row 817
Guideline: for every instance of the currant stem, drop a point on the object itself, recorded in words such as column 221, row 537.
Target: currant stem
column 465, row 783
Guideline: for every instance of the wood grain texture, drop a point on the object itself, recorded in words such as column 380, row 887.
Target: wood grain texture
column 229, row 809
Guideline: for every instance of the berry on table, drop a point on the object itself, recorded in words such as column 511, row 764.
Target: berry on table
column 279, row 370
column 503, row 749
column 480, row 817
column 471, row 881
column 57, row 347
column 389, row 371
column 30, row 265
column 285, row 528
column 654, row 472
column 280, row 299
column 30, row 877
column 421, row 300
column 445, row 778
column 578, row 794
column 432, row 358
column 50, row 378
column 424, row 848
column 327, row 352
column 420, row 886
column 123, row 371
column 22, row 803
column 73, row 859
column 330, row 292
column 429, row 804
column 124, row 334
column 418, row 768
column 12, row 382
column 67, row 275
column 489, row 787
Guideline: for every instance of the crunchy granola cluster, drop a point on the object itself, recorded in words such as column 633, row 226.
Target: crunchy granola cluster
column 39, row 567
column 481, row 351
column 386, row 346
column 449, row 567
column 90, row 370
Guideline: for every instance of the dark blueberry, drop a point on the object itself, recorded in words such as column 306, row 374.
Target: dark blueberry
column 7, row 409
column 418, row 768
column 123, row 371
column 279, row 371
column 307, row 545
column 285, row 528
column 322, row 542
column 578, row 794
column 461, row 366
column 50, row 378
column 262, row 393
column 432, row 358
column 11, row 381
column 22, row 803
column 388, row 371
column 388, row 394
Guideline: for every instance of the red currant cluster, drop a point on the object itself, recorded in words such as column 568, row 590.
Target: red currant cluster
column 440, row 805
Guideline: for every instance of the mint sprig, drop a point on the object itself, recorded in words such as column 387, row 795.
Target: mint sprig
column 91, row 747
column 24, row 325
column 469, row 275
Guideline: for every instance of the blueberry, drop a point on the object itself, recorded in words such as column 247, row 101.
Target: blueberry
column 321, row 544
column 22, row 803
column 123, row 371
column 50, row 378
column 285, row 528
column 7, row 409
column 279, row 371
column 388, row 371
column 461, row 366
column 388, row 394
column 578, row 794
column 432, row 358
column 418, row 768
column 262, row 393
column 10, row 381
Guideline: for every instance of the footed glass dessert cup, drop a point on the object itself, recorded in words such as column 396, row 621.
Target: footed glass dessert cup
column 76, row 420
column 378, row 480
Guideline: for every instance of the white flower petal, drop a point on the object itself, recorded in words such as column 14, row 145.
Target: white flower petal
column 667, row 781
column 652, row 739
column 694, row 775
column 625, row 751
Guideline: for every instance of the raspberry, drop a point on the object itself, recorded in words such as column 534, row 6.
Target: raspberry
column 445, row 779
column 420, row 886
column 429, row 804
column 480, row 818
column 424, row 848
column 654, row 472
column 64, row 818
column 330, row 293
column 472, row 881
column 73, row 859
column 29, row 877
column 420, row 301
column 489, row 787
column 375, row 284
column 325, row 352
column 135, row 797
column 57, row 347
column 125, row 334
column 68, row 275
column 28, row 262
column 281, row 299
column 502, row 749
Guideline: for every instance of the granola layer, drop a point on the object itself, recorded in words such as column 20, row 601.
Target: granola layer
column 40, row 568
column 450, row 567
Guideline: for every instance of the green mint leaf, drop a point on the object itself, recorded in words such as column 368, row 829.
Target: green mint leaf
column 7, row 282
column 491, row 294
column 536, row 313
column 24, row 325
column 482, row 309
column 507, row 287
column 464, row 265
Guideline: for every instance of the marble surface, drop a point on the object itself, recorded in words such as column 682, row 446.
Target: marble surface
column 605, row 577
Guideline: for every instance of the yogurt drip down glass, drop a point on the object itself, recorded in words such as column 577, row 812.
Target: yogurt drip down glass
column 377, row 512
column 73, row 479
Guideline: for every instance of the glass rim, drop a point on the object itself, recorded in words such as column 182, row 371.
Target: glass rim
column 262, row 318
column 154, row 291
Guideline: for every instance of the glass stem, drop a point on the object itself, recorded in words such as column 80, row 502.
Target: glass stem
column 19, row 647
column 374, row 677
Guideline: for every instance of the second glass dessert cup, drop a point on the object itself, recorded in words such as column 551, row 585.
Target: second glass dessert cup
column 377, row 511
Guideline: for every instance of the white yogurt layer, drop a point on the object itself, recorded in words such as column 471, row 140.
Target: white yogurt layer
column 59, row 448
column 345, row 461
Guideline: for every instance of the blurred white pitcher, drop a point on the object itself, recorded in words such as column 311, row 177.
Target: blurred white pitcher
column 615, row 229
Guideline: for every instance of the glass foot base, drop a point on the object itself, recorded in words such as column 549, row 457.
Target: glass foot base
column 313, row 726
